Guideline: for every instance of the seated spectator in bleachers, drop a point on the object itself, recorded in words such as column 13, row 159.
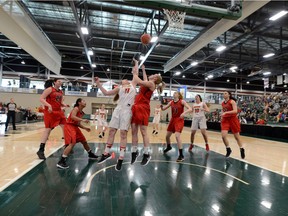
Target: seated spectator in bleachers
column 29, row 115
column 261, row 122
column 2, row 108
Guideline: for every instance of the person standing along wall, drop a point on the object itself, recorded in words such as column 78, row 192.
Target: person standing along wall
column 11, row 110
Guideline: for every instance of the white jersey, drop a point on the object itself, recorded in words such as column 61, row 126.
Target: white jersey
column 198, row 110
column 127, row 95
column 102, row 114
column 121, row 117
column 157, row 112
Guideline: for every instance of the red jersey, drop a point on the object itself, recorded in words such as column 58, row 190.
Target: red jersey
column 144, row 96
column 227, row 106
column 55, row 99
column 70, row 121
column 177, row 108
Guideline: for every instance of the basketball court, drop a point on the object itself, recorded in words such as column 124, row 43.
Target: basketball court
column 206, row 183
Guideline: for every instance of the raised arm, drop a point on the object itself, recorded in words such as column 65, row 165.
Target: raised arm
column 103, row 90
column 144, row 73
column 148, row 84
column 135, row 69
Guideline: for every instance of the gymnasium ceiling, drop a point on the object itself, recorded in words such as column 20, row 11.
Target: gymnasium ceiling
column 116, row 26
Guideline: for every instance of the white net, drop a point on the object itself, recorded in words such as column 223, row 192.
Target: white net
column 175, row 19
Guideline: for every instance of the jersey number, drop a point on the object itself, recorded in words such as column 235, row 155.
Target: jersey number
column 127, row 90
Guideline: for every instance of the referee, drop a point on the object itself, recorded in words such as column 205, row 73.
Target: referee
column 11, row 108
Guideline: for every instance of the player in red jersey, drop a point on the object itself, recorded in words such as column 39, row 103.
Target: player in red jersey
column 176, row 123
column 73, row 134
column 52, row 99
column 230, row 121
column 141, row 111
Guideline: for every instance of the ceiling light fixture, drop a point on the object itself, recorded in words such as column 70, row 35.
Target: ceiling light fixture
column 177, row 73
column 93, row 65
column 22, row 62
column 81, row 67
column 278, row 15
column 233, row 68
column 221, row 48
column 228, row 80
column 248, row 82
column 154, row 39
column 267, row 73
column 268, row 55
column 84, row 30
column 210, row 76
column 194, row 63
column 141, row 58
column 90, row 52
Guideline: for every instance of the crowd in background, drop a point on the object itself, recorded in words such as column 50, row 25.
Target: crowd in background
column 259, row 110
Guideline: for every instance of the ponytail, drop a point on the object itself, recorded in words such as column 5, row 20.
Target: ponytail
column 160, row 87
column 77, row 102
column 230, row 96
column 180, row 95
column 49, row 83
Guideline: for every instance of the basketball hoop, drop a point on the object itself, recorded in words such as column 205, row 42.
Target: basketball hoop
column 175, row 19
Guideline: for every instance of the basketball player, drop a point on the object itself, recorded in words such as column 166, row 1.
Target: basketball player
column 121, row 117
column 52, row 99
column 141, row 111
column 230, row 121
column 199, row 121
column 73, row 134
column 176, row 123
column 101, row 116
column 156, row 119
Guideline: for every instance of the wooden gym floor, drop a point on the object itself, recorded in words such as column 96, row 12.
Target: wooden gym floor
column 204, row 184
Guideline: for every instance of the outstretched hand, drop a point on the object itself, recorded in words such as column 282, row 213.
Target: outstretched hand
column 97, row 80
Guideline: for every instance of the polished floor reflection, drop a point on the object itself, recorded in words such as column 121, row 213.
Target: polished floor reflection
column 204, row 184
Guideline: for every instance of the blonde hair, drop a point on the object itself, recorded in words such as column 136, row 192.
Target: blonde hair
column 160, row 84
column 180, row 95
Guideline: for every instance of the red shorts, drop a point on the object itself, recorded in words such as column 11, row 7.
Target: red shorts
column 231, row 123
column 176, row 125
column 140, row 114
column 73, row 134
column 52, row 120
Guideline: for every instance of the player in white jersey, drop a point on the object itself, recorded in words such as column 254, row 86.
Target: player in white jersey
column 121, row 117
column 101, row 116
column 199, row 121
column 156, row 119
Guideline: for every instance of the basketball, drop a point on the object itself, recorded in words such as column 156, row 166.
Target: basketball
column 145, row 39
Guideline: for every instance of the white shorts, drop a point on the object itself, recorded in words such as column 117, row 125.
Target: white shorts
column 102, row 122
column 121, row 119
column 156, row 119
column 199, row 122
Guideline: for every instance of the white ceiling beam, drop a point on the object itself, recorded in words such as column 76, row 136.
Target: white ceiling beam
column 17, row 25
column 215, row 31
